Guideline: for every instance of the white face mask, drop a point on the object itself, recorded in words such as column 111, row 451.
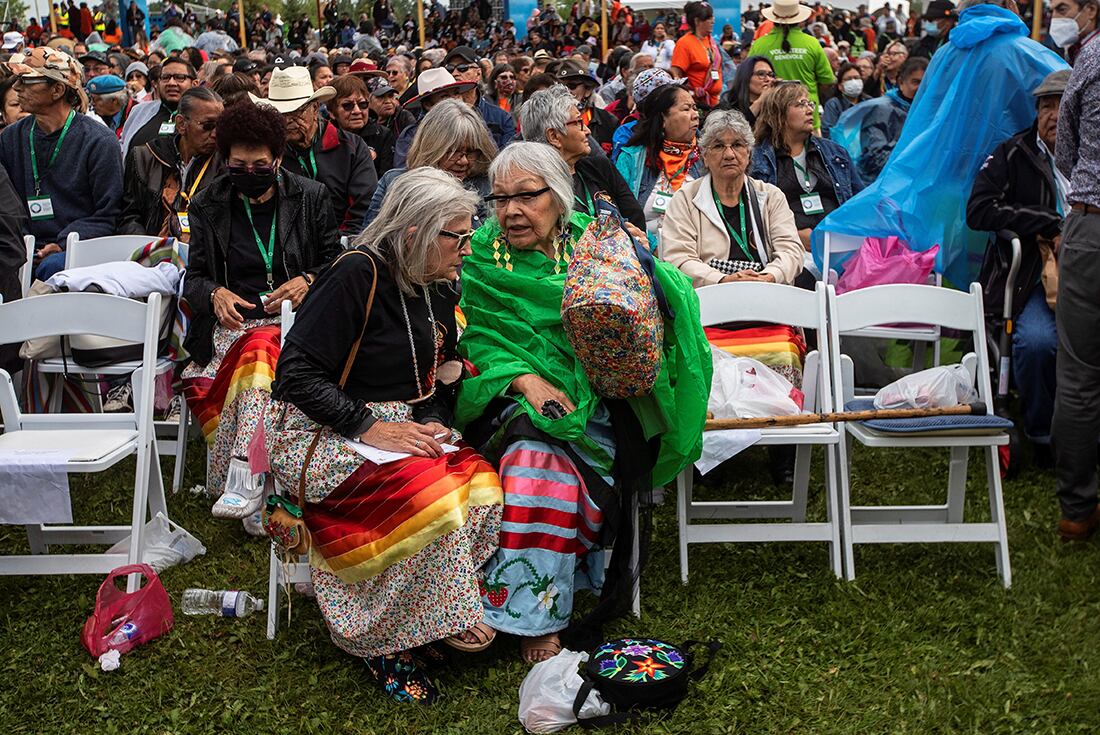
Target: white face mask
column 852, row 87
column 1064, row 31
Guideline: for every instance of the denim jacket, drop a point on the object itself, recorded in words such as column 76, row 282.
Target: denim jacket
column 846, row 179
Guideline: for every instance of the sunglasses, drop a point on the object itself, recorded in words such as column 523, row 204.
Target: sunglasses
column 349, row 106
column 462, row 237
column 259, row 169
column 206, row 125
column 460, row 68
column 523, row 197
column 472, row 156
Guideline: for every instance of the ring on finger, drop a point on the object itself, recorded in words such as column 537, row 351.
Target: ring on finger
column 418, row 444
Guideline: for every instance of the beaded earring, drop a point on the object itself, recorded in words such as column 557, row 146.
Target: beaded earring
column 504, row 261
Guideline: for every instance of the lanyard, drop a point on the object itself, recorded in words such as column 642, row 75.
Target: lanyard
column 269, row 254
column 56, row 150
column 806, row 174
column 744, row 236
column 312, row 168
column 586, row 202
column 707, row 47
column 195, row 185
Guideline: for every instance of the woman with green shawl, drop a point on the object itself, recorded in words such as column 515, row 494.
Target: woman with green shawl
column 565, row 454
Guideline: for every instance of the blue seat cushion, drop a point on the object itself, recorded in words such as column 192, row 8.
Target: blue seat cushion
column 957, row 425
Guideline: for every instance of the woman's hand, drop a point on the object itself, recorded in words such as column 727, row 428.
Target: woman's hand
column 748, row 275
column 634, row 231
column 538, row 391
column 406, row 437
column 48, row 249
column 225, row 308
column 295, row 289
column 755, row 106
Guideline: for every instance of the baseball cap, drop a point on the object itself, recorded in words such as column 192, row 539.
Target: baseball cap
column 651, row 79
column 244, row 65
column 380, row 87
column 105, row 84
column 93, row 56
column 48, row 63
column 460, row 54
column 12, row 39
column 939, row 9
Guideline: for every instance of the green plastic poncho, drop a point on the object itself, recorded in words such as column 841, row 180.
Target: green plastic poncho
column 514, row 327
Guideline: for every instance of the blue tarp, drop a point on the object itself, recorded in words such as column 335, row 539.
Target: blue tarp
column 976, row 94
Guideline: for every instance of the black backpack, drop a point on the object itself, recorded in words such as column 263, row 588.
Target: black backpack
column 635, row 674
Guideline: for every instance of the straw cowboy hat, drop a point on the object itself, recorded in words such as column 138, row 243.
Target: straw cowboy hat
column 435, row 80
column 291, row 89
column 787, row 12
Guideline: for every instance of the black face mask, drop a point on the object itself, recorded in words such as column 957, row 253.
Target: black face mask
column 252, row 185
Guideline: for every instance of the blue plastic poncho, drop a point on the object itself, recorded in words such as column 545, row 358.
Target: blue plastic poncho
column 869, row 131
column 975, row 94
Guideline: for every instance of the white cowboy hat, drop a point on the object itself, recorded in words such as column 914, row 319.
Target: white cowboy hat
column 434, row 80
column 291, row 89
column 787, row 12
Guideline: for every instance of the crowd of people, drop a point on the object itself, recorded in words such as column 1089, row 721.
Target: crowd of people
column 418, row 207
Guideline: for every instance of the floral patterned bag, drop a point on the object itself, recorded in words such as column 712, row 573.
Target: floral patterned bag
column 633, row 674
column 612, row 307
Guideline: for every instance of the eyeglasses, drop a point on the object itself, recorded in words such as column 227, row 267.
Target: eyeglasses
column 259, row 169
column 578, row 121
column 764, row 74
column 462, row 237
column 737, row 146
column 896, row 53
column 460, row 68
column 349, row 106
column 206, row 125
column 803, row 103
column 473, row 156
column 175, row 77
column 523, row 197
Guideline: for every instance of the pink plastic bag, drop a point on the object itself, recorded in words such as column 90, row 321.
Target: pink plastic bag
column 881, row 261
column 124, row 620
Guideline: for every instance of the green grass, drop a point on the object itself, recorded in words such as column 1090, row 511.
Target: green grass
column 925, row 641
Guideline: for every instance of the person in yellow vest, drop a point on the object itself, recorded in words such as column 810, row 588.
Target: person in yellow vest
column 99, row 22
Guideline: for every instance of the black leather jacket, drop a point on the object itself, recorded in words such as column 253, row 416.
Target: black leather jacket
column 308, row 240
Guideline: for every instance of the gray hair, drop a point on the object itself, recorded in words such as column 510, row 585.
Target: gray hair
column 403, row 61
column 547, row 109
column 449, row 126
column 193, row 95
column 417, row 206
column 540, row 160
column 122, row 96
column 434, row 55
column 726, row 121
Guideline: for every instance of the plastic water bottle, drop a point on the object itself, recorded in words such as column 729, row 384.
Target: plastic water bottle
column 128, row 631
column 227, row 603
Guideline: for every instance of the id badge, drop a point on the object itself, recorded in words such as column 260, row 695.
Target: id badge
column 185, row 223
column 661, row 200
column 811, row 203
column 714, row 75
column 168, row 128
column 40, row 207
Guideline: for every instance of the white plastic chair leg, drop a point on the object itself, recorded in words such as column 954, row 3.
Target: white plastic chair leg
column 146, row 462
column 843, row 474
column 635, row 565
column 832, row 509
column 802, row 457
column 181, row 447
column 997, row 514
column 683, row 502
column 36, row 540
column 956, row 484
column 274, row 591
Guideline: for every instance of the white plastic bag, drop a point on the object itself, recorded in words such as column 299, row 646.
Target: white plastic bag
column 746, row 388
column 938, row 387
column 546, row 695
column 166, row 544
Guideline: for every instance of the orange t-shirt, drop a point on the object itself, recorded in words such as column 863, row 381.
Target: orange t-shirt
column 697, row 62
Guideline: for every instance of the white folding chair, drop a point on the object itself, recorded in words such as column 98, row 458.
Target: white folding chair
column 768, row 302
column 943, row 523
column 279, row 574
column 919, row 334
column 92, row 442
column 82, row 253
column 26, row 271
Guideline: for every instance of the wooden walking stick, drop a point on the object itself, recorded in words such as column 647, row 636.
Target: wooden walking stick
column 767, row 422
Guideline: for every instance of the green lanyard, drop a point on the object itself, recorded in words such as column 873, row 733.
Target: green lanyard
column 586, row 202
column 744, row 236
column 311, row 169
column 807, row 186
column 56, row 150
column 267, row 254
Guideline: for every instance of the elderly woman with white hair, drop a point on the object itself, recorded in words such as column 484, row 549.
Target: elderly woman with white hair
column 568, row 457
column 551, row 116
column 401, row 512
column 726, row 226
column 451, row 137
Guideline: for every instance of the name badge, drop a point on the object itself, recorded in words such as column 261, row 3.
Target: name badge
column 661, row 200
column 811, row 203
column 40, row 207
column 185, row 223
column 168, row 128
column 714, row 75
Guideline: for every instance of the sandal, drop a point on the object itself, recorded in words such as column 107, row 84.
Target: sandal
column 481, row 631
column 531, row 649
column 401, row 678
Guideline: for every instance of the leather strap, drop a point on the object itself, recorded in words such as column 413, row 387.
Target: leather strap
column 343, row 375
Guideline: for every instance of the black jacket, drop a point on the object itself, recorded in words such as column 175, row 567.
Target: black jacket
column 344, row 165
column 603, row 127
column 307, row 237
column 1014, row 190
column 381, row 139
column 599, row 174
column 150, row 168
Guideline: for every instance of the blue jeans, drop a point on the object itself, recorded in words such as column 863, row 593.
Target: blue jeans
column 1034, row 353
column 50, row 264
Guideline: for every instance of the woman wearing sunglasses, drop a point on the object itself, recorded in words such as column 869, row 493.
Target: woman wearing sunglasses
column 565, row 454
column 398, row 543
column 259, row 236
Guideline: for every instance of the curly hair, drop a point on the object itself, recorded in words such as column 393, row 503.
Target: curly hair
column 254, row 125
